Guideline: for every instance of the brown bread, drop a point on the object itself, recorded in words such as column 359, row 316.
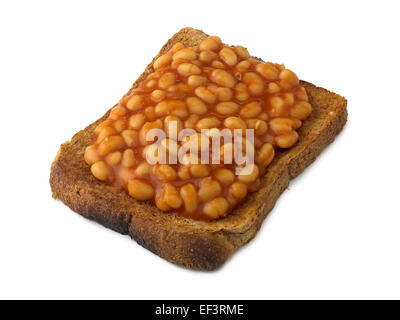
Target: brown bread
column 186, row 242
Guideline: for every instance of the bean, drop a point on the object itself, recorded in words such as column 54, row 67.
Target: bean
column 135, row 103
column 288, row 79
column 150, row 113
column 228, row 56
column 224, row 176
column 114, row 158
column 165, row 172
column 131, row 137
column 162, row 61
column 185, row 54
column 209, row 189
column 196, row 106
column 91, row 155
column 222, row 78
column 268, row 71
column 117, row 112
column 242, row 52
column 142, row 169
column 287, row 140
column 101, row 126
column 137, row 120
column 273, row 88
column 208, row 123
column 110, row 144
column 190, row 123
column 301, row 110
column 189, row 195
column 184, row 173
column 241, row 92
column 209, row 44
column 120, row 125
column 254, row 83
column 128, row 158
column 235, row 123
column 266, row 154
column 216, row 208
column 172, row 197
column 167, row 80
column 158, row 95
column 187, row 69
column 140, row 190
column 205, row 94
column 199, row 170
column 106, row 132
column 177, row 46
column 196, row 81
column 301, row 94
column 249, row 174
column 277, row 106
column 227, row 108
column 223, row 94
column 281, row 125
column 217, row 64
column 238, row 190
column 243, row 66
column 100, row 170
column 207, row 56
column 146, row 128
column 250, row 110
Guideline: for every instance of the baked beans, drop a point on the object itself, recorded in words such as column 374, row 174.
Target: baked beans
column 189, row 195
column 101, row 170
column 228, row 56
column 140, row 190
column 210, row 86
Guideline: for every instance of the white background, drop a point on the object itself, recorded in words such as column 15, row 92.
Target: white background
column 334, row 234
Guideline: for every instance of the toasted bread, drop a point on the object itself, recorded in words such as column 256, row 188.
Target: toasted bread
column 186, row 242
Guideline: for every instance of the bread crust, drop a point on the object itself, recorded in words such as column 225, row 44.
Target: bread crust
column 204, row 245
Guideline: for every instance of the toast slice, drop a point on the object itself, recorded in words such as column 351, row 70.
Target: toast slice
column 186, row 242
